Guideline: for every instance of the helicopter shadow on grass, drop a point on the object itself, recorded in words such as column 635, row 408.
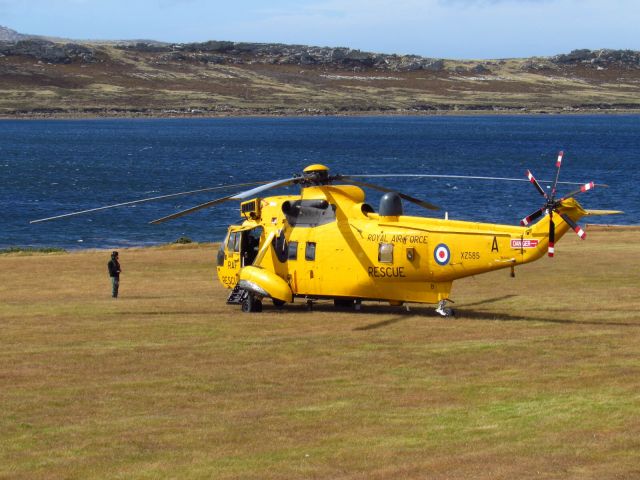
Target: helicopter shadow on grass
column 463, row 314
column 475, row 315
column 421, row 311
column 158, row 313
column 490, row 300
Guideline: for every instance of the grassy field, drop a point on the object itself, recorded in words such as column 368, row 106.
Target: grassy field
column 537, row 377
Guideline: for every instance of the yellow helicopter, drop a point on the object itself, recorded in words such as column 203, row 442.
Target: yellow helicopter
column 328, row 243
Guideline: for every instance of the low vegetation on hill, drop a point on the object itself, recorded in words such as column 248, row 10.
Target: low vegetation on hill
column 41, row 77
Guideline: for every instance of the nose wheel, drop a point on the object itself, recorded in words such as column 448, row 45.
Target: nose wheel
column 251, row 304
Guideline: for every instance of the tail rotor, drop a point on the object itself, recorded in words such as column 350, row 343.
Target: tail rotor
column 552, row 205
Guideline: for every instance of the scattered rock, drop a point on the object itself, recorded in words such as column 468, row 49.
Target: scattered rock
column 147, row 47
column 480, row 69
column 49, row 52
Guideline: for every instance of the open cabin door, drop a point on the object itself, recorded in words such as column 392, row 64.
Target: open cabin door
column 239, row 249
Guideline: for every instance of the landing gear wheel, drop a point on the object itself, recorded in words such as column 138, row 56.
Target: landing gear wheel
column 251, row 304
column 247, row 305
column 445, row 311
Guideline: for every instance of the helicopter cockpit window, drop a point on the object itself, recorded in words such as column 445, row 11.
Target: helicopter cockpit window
column 385, row 253
column 236, row 244
column 310, row 251
column 293, row 250
column 230, row 241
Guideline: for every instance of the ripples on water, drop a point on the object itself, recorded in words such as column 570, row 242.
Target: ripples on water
column 53, row 167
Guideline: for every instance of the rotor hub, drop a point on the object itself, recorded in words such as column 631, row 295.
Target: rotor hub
column 316, row 174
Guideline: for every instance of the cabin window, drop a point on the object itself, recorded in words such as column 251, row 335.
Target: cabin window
column 280, row 247
column 293, row 250
column 385, row 253
column 236, row 244
column 310, row 251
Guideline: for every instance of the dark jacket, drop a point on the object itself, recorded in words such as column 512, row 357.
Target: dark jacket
column 114, row 268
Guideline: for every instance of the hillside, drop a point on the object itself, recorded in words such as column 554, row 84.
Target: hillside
column 40, row 77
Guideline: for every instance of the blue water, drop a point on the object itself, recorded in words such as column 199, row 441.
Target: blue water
column 53, row 167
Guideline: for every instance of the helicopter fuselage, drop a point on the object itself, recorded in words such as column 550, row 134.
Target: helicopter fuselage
column 328, row 243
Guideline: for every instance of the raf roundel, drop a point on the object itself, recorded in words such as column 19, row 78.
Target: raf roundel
column 442, row 254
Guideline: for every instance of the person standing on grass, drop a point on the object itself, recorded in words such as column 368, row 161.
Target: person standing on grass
column 114, row 273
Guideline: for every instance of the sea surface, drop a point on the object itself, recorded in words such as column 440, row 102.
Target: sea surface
column 59, row 166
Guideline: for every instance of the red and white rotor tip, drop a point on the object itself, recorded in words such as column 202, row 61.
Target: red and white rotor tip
column 587, row 186
column 559, row 161
column 580, row 232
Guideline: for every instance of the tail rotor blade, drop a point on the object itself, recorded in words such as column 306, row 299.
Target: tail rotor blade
column 584, row 188
column 559, row 160
column 534, row 216
column 535, row 183
column 552, row 235
column 558, row 165
column 576, row 228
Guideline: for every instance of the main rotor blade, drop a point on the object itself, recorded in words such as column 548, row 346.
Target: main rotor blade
column 149, row 199
column 404, row 196
column 191, row 210
column 455, row 177
column 238, row 196
column 268, row 186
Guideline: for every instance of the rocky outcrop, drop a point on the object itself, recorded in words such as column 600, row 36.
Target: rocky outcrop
column 8, row 35
column 50, row 52
column 599, row 58
column 279, row 54
column 146, row 47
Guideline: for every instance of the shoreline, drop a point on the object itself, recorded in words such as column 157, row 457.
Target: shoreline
column 471, row 112
column 26, row 251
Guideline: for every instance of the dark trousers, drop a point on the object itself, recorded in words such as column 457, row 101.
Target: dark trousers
column 115, row 283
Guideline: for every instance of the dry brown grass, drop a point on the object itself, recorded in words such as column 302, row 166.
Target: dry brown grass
column 131, row 83
column 538, row 377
